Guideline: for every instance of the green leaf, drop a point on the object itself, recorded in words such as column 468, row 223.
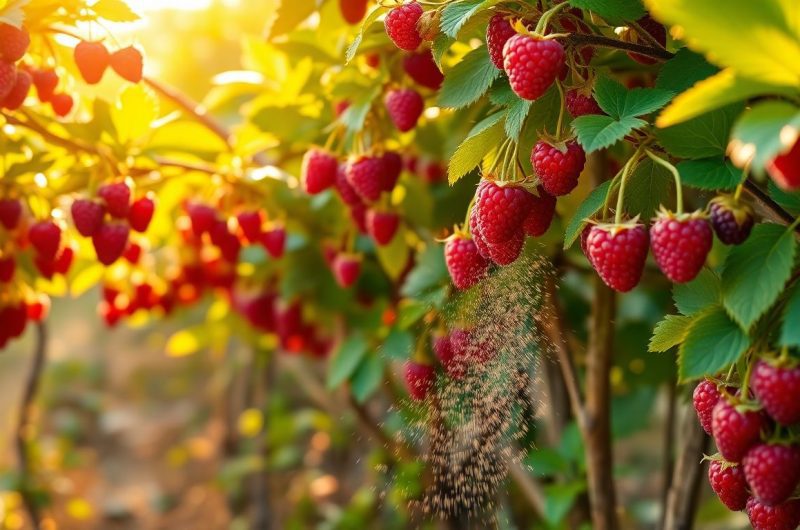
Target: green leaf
column 669, row 332
column 614, row 11
column 701, row 137
column 394, row 256
column 456, row 14
column 709, row 174
column 409, row 313
column 439, row 47
column 468, row 80
column 649, row 186
column 713, row 342
column 559, row 499
column 114, row 11
column 356, row 114
column 790, row 330
column 367, row 378
column 483, row 138
column 761, row 128
column 756, row 271
column 429, row 271
column 515, row 117
column 788, row 200
column 597, row 132
column 346, row 360
column 370, row 18
column 698, row 294
column 618, row 102
column 683, row 71
column 590, row 205
column 398, row 344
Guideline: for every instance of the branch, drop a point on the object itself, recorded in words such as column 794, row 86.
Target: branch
column 372, row 426
column 582, row 39
column 766, row 202
column 35, row 126
column 528, row 486
column 683, row 496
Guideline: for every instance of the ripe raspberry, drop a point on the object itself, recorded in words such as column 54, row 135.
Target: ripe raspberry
column 498, row 32
column 404, row 106
column 45, row 82
column 128, row 63
column 477, row 236
column 64, row 260
column 117, row 197
column 228, row 244
column 558, row 166
column 358, row 213
column 465, row 265
column 45, row 266
column 14, row 42
column 318, row 171
column 584, row 239
column 540, row 216
column 772, row 471
column 532, row 64
column 7, row 268
column 434, row 171
column 618, row 254
column 783, row 517
column 365, row 175
column 501, row 210
column 507, row 252
column 38, row 308
column 392, row 166
column 13, row 319
column 87, row 216
column 705, row 398
column 579, row 104
column 731, row 220
column 401, row 26
column 202, row 217
column 141, row 213
column 274, row 241
column 92, row 59
column 353, row 10
column 656, row 30
column 346, row 191
column 62, row 104
column 133, row 253
column 728, row 482
column 373, row 60
column 735, row 432
column 777, row 388
column 423, row 70
column 10, row 213
column 19, row 92
column 470, row 348
column 250, row 223
column 419, row 379
column 680, row 244
column 785, row 168
column 382, row 226
column 346, row 269
column 8, row 79
column 443, row 349
column 110, row 242
column 45, row 236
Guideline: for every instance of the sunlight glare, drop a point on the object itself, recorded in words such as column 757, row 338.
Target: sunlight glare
column 156, row 5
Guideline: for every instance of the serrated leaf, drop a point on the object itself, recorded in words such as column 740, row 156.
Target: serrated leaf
column 468, row 80
column 614, row 11
column 346, row 360
column 683, row 71
column 115, row 11
column 701, row 137
column 709, row 174
column 13, row 12
column 761, row 128
column 484, row 137
column 699, row 294
column 356, row 114
column 515, row 117
column 649, row 186
column 590, row 205
column 370, row 18
column 136, row 110
column 439, row 47
column 669, row 332
column 597, row 132
column 756, row 271
column 456, row 14
column 618, row 102
column 790, row 329
column 367, row 378
column 713, row 342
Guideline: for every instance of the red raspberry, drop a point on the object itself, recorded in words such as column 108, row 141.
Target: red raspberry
column 365, row 175
column 443, row 348
column 392, row 166
column 128, row 63
column 731, row 220
column 250, row 223
column 558, row 166
column 656, row 30
column 579, row 104
column 680, row 244
column 404, row 106
column 7, row 268
column 353, row 11
column 532, row 64
column 346, row 269
column 202, row 216
column 288, row 321
column 584, row 239
column 401, row 26
column 346, row 191
column 358, row 213
column 501, row 210
column 92, row 59
column 8, row 79
column 470, row 348
column 19, row 92
column 705, row 398
column 783, row 517
column 772, row 471
column 318, row 171
column 38, row 308
column 12, row 322
column 45, row 236
column 785, row 168
column 373, row 60
column 423, row 70
column 10, row 213
column 777, row 388
column 133, row 253
column 87, row 216
column 274, row 241
column 228, row 244
column 419, row 379
column 728, row 482
column 62, row 104
column 541, row 214
column 110, row 242
column 618, row 254
column 14, row 42
column 141, row 213
column 735, row 432
column 117, row 197
column 64, row 260
column 477, row 236
column 507, row 252
column 498, row 32
column 465, row 265
column 382, row 226
column 45, row 82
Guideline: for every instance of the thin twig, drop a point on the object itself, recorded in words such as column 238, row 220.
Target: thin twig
column 582, row 39
column 669, row 443
column 396, row 448
column 528, row 486
column 766, row 202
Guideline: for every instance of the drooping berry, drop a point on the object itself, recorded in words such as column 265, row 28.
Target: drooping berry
column 274, row 240
column 45, row 236
column 580, row 104
column 7, row 268
column 128, row 63
column 10, row 213
column 419, row 379
column 14, row 42
column 365, row 175
column 558, row 166
column 45, row 82
column 731, row 220
column 404, row 106
column 8, row 79
column 785, row 168
column 110, row 242
column 346, row 269
column 353, row 11
column 423, row 70
column 87, row 216
column 705, row 397
column 532, row 64
column 540, row 216
column 92, row 59
column 382, row 226
column 443, row 349
column 498, row 32
column 777, row 389
column 250, row 222
column 501, row 210
column 202, row 217
column 477, row 236
column 735, row 432
column 62, row 104
column 507, row 252
column 392, row 167
column 618, row 254
column 318, row 171
column 728, row 482
column 680, row 244
column 782, row 517
column 772, row 471
column 465, row 265
column 347, row 193
column 19, row 92
column 117, row 197
column 141, row 213
column 401, row 26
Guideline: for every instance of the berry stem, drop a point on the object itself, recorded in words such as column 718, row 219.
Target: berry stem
column 541, row 26
column 738, row 191
column 469, row 211
column 623, row 179
column 560, row 110
column 499, row 156
column 677, row 176
column 746, row 379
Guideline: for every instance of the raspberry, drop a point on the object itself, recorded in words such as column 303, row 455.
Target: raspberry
column 584, row 239
column 680, row 244
column 274, row 241
column 373, row 60
column 728, row 482
column 62, row 104
column 353, row 10
column 110, row 242
column 734, row 431
column 45, row 82
column 785, row 168
column 365, row 175
column 92, row 59
column 469, row 348
column 498, row 32
column 358, row 213
column 39, row 308
column 419, row 379
column 250, row 223
column 507, row 252
column 14, row 42
column 346, row 191
column 87, row 216
column 392, row 166
column 8, row 78
column 19, row 92
column 133, row 253
column 477, row 236
column 128, row 63
column 7, row 268
column 401, row 26
column 141, row 213
column 45, row 236
column 783, row 517
column 10, row 213
column 465, row 265
column 288, row 322
column 502, row 210
column 705, row 398
column 434, row 171
column 64, row 260
column 656, row 30
column 777, row 388
column 732, row 221
column 404, row 106
column 532, row 64
column 618, row 254
column 346, row 269
column 443, row 348
column 382, row 226
column 202, row 217
column 117, row 197
column 318, row 171
column 12, row 322
column 558, row 166
column 579, row 104
column 228, row 244
column 540, row 216
column 423, row 70
column 772, row 471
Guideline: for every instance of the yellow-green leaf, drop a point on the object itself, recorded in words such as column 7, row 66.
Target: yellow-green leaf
column 135, row 111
